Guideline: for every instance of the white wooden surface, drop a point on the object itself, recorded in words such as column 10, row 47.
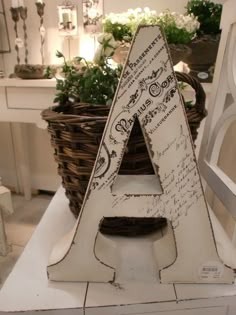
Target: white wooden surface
column 28, row 290
column 221, row 115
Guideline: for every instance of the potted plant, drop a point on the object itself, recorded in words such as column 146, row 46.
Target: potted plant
column 76, row 126
column 29, row 71
column 89, row 82
column 179, row 29
column 205, row 46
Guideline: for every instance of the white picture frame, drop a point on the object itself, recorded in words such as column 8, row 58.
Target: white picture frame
column 92, row 16
column 67, row 20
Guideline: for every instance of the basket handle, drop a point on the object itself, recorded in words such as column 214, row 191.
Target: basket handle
column 196, row 85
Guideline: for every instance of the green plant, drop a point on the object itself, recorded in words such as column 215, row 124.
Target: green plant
column 179, row 29
column 50, row 71
column 92, row 82
column 208, row 14
column 88, row 82
column 119, row 31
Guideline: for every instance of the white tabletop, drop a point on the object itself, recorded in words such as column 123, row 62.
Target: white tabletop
column 17, row 82
column 27, row 289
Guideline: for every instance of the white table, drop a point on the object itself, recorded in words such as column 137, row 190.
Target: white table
column 21, row 102
column 28, row 290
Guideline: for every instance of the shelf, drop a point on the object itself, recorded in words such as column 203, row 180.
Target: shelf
column 28, row 83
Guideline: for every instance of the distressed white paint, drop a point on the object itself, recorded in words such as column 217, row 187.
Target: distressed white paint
column 42, row 297
column 221, row 117
column 27, row 288
column 147, row 92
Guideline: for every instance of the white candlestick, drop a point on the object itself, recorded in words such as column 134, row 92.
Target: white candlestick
column 21, row 3
column 14, row 4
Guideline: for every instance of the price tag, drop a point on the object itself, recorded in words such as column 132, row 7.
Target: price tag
column 19, row 42
column 203, row 75
column 211, row 270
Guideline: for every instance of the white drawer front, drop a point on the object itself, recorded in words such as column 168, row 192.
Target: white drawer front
column 30, row 98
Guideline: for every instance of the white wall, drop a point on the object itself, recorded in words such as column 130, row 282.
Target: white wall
column 55, row 42
column 158, row 5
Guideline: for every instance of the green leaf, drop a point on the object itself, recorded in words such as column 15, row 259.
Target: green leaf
column 59, row 54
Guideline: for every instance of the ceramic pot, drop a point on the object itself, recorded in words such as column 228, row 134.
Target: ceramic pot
column 203, row 57
column 30, row 71
column 177, row 52
column 121, row 53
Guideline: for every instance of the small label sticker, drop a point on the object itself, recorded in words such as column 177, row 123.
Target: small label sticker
column 203, row 75
column 19, row 42
column 211, row 270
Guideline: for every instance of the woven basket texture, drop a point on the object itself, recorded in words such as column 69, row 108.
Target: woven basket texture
column 76, row 132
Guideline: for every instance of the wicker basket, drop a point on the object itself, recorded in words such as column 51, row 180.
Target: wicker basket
column 76, row 131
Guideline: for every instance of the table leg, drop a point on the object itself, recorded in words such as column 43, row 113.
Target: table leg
column 20, row 136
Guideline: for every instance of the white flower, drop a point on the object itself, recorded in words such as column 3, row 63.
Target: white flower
column 146, row 10
column 118, row 18
column 110, row 17
column 92, row 13
column 191, row 24
column 179, row 24
column 106, row 48
column 130, row 11
column 123, row 20
column 138, row 10
column 132, row 18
